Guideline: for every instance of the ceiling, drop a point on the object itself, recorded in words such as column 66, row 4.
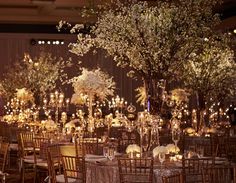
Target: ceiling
column 50, row 12
column 43, row 11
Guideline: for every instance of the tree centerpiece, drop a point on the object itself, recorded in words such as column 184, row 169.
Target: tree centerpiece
column 152, row 40
column 38, row 75
column 210, row 73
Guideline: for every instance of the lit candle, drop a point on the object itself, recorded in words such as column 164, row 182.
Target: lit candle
column 56, row 94
column 61, row 96
column 45, row 101
column 52, row 96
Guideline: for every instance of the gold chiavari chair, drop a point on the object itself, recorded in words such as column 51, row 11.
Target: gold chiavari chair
column 192, row 168
column 30, row 161
column 40, row 162
column 175, row 178
column 3, row 158
column 219, row 142
column 26, row 154
column 78, row 147
column 135, row 170
column 231, row 148
column 89, row 146
column 54, row 164
column 74, row 169
column 219, row 174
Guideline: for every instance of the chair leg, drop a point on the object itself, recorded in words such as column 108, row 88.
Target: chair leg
column 35, row 175
column 22, row 173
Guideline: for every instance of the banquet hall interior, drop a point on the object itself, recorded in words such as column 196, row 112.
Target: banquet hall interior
column 118, row 91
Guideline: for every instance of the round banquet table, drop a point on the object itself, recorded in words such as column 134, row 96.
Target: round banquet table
column 108, row 172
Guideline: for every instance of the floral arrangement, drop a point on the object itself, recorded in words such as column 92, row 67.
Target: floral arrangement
column 24, row 95
column 39, row 74
column 133, row 148
column 179, row 96
column 159, row 149
column 171, row 148
column 211, row 76
column 93, row 83
column 190, row 131
column 140, row 36
column 49, row 124
column 154, row 40
column 78, row 99
column 10, row 118
column 141, row 96
column 210, row 130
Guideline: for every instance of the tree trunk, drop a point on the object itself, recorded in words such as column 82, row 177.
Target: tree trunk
column 154, row 92
column 201, row 109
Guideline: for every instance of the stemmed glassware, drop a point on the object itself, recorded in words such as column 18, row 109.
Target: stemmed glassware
column 161, row 157
column 105, row 151
column 145, row 142
column 175, row 136
column 111, row 153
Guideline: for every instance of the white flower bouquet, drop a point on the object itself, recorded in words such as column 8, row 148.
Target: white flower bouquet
column 171, row 148
column 190, row 131
column 159, row 149
column 49, row 124
column 93, row 83
column 79, row 99
column 179, row 95
column 24, row 95
column 132, row 148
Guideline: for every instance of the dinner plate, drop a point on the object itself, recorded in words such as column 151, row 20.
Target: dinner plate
column 220, row 159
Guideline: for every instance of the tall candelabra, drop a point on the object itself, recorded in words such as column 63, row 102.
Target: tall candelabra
column 148, row 129
column 56, row 102
column 117, row 103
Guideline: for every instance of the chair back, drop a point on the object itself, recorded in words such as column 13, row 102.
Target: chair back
column 3, row 155
column 26, row 143
column 126, row 138
column 192, row 168
column 40, row 146
column 222, row 174
column 78, row 147
column 89, row 146
column 74, row 168
column 135, row 170
column 231, row 149
column 175, row 178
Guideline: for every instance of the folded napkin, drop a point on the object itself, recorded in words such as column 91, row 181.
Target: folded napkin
column 93, row 156
column 96, row 160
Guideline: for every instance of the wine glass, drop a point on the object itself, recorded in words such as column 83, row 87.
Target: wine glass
column 175, row 136
column 161, row 157
column 145, row 142
column 111, row 153
column 105, row 151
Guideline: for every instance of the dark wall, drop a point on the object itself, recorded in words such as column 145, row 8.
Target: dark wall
column 14, row 45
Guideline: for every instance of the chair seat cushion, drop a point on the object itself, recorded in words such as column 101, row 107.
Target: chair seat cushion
column 42, row 164
column 13, row 147
column 30, row 159
column 61, row 179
